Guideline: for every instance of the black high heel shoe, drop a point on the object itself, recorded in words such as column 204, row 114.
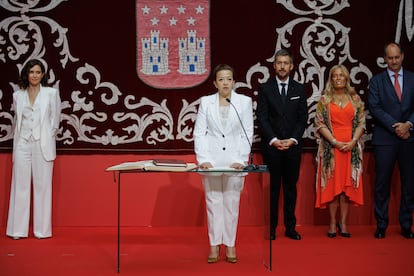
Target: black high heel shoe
column 343, row 234
column 331, row 234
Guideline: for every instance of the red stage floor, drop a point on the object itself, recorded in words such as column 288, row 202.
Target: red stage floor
column 183, row 251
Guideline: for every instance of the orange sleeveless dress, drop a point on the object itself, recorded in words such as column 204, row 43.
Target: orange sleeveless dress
column 341, row 178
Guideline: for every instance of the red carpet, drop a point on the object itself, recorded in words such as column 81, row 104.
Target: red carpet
column 183, row 251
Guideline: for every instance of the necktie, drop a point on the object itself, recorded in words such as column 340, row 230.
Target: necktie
column 283, row 92
column 397, row 87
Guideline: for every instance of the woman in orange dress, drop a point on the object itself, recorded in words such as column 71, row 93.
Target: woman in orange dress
column 340, row 124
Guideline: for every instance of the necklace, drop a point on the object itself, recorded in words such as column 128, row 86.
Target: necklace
column 339, row 100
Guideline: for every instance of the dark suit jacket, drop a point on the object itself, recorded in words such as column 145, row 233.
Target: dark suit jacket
column 280, row 120
column 386, row 109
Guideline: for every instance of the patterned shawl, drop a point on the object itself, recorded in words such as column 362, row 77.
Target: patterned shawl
column 325, row 155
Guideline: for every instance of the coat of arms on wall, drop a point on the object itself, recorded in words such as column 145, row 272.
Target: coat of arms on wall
column 173, row 46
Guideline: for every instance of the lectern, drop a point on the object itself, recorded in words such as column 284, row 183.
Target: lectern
column 145, row 167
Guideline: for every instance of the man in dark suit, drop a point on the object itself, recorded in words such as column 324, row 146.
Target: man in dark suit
column 391, row 103
column 282, row 115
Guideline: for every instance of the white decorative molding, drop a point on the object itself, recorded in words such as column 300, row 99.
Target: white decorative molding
column 405, row 15
column 186, row 119
column 159, row 113
column 324, row 41
column 86, row 115
column 81, row 117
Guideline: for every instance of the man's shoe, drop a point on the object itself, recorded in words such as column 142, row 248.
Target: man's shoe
column 293, row 235
column 407, row 233
column 379, row 233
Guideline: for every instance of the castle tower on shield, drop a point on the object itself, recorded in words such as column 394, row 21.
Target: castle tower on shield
column 191, row 54
column 155, row 54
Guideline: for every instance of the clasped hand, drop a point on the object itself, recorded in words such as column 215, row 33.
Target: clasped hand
column 345, row 146
column 208, row 165
column 283, row 144
column 402, row 130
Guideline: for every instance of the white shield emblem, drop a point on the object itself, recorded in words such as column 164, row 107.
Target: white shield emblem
column 173, row 46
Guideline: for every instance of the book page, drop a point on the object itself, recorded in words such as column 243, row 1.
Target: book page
column 137, row 165
column 188, row 167
column 169, row 162
column 148, row 165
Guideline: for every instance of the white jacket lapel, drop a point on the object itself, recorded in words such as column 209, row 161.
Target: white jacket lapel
column 215, row 110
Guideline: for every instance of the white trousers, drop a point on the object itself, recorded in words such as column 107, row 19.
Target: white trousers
column 222, row 202
column 29, row 164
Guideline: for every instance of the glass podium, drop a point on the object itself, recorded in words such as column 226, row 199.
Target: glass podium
column 261, row 177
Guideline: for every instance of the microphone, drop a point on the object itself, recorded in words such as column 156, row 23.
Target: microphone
column 250, row 167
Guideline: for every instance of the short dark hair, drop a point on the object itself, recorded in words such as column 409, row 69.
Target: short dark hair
column 222, row 67
column 24, row 74
column 283, row 53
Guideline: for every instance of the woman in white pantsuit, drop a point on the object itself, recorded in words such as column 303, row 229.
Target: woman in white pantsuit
column 220, row 141
column 37, row 115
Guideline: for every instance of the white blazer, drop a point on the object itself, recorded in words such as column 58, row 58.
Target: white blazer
column 219, row 145
column 50, row 108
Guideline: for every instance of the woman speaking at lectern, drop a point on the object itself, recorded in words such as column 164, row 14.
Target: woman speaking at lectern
column 223, row 121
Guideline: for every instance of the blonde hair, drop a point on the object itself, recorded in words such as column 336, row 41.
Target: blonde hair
column 329, row 89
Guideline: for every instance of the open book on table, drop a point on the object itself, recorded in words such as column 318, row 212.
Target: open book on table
column 148, row 165
column 169, row 162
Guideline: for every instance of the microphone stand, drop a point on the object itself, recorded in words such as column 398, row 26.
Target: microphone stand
column 250, row 167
